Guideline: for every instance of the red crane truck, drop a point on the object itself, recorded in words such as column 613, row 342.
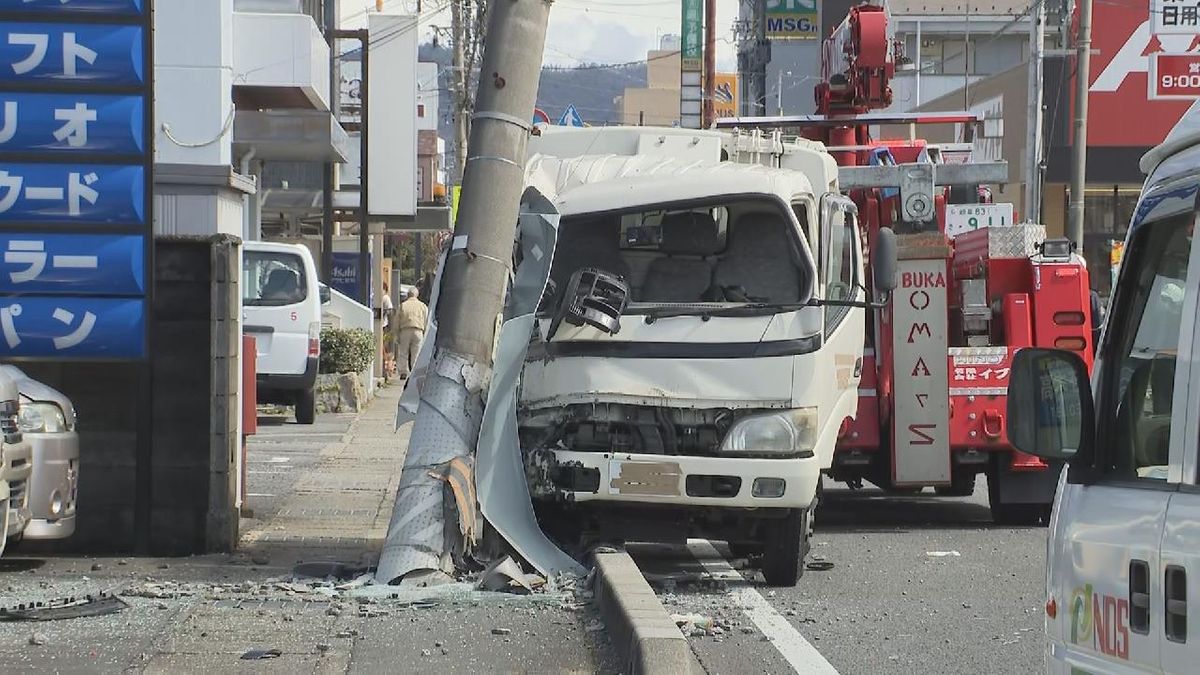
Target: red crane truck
column 932, row 399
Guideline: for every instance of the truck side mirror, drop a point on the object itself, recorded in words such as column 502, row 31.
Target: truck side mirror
column 883, row 260
column 324, row 294
column 1050, row 412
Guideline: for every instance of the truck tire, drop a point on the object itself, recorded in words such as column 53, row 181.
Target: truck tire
column 1011, row 514
column 961, row 485
column 785, row 549
column 306, row 406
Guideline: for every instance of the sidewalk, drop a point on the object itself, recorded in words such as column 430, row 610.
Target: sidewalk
column 339, row 511
column 200, row 615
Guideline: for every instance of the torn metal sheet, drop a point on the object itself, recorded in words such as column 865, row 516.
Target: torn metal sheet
column 506, row 575
column 410, row 398
column 500, row 474
column 65, row 609
column 417, row 548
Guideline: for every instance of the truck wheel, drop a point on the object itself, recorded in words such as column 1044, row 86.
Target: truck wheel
column 306, row 406
column 786, row 547
column 1016, row 514
column 961, row 485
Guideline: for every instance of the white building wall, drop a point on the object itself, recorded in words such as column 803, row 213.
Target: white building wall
column 427, row 96
column 193, row 73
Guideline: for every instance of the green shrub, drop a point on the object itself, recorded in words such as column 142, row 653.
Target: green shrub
column 346, row 351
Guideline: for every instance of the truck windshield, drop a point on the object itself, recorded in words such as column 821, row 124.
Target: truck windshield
column 273, row 279
column 700, row 257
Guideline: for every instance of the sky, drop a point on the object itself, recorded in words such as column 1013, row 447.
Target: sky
column 583, row 31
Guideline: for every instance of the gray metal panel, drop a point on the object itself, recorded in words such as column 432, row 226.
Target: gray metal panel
column 290, row 135
column 981, row 173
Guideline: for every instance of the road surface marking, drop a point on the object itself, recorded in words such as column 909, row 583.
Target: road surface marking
column 798, row 652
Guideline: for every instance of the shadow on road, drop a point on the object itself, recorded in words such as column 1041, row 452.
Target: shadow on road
column 875, row 511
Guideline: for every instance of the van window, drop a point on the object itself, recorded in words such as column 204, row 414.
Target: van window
column 1138, row 390
column 273, row 279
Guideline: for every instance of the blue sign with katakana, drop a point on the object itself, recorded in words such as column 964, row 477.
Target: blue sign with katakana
column 70, row 52
column 73, row 327
column 100, row 194
column 72, row 123
column 75, row 237
column 126, row 7
column 79, row 264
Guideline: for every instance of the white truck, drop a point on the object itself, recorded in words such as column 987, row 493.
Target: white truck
column 699, row 345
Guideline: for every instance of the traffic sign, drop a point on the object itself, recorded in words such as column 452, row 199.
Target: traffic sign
column 540, row 116
column 76, row 162
column 570, row 117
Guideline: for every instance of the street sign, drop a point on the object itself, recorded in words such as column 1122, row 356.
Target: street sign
column 570, row 117
column 963, row 218
column 540, row 116
column 76, row 159
column 1175, row 76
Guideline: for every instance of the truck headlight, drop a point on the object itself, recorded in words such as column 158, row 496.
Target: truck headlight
column 37, row 418
column 793, row 432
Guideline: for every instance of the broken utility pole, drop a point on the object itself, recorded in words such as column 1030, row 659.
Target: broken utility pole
column 421, row 540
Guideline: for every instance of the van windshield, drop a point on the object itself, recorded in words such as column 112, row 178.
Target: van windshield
column 273, row 279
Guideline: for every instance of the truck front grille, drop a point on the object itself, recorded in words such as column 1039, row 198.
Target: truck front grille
column 10, row 431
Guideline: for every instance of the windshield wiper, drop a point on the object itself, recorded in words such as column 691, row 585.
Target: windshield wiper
column 705, row 313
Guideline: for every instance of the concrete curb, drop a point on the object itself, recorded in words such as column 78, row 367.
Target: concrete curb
column 641, row 630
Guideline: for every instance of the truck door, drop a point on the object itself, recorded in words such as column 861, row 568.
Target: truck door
column 1178, row 570
column 1106, row 573
column 843, row 278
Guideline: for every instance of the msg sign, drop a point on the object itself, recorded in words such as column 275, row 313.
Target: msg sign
column 793, row 19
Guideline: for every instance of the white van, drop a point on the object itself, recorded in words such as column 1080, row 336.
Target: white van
column 281, row 309
column 1123, row 557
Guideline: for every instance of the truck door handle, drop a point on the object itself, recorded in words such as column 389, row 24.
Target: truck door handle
column 1175, row 590
column 1139, row 597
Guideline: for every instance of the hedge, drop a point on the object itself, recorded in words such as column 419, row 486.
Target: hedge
column 346, row 351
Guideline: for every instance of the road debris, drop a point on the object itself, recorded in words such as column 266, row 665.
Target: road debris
column 37, row 640
column 501, row 631
column 260, row 654
column 66, row 608
column 505, row 575
column 943, row 554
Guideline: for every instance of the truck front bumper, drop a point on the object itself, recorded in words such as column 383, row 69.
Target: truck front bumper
column 54, row 486
column 685, row 480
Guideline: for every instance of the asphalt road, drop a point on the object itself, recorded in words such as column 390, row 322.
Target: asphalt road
column 917, row 584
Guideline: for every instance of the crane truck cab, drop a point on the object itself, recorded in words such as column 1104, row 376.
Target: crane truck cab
column 699, row 343
column 1123, row 554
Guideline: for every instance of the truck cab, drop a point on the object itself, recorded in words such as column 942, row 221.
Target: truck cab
column 698, row 346
column 1123, row 555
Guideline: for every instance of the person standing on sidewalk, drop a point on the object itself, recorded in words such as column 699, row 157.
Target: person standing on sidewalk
column 411, row 330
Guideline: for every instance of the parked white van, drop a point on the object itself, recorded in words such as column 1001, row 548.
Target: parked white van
column 281, row 309
column 1123, row 557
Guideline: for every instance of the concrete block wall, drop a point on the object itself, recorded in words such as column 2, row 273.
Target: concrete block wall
column 194, row 410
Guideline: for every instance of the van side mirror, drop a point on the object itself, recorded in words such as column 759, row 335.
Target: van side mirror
column 324, row 294
column 883, row 260
column 1050, row 413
